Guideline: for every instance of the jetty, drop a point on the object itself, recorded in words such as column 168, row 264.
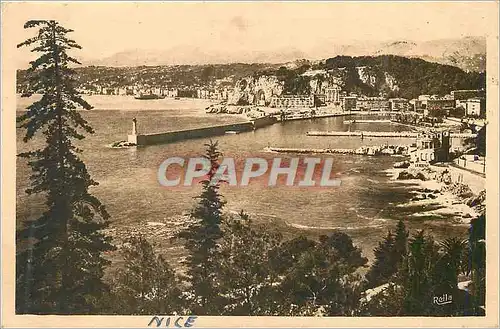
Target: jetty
column 366, row 121
column 307, row 150
column 400, row 134
column 178, row 135
column 364, row 150
column 316, row 116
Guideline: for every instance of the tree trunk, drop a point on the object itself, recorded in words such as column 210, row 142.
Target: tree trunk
column 63, row 204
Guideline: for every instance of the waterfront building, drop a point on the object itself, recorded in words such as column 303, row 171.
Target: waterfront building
column 461, row 96
column 332, row 94
column 475, row 107
column 431, row 148
column 202, row 93
column 292, row 101
column 349, row 103
column 438, row 104
column 372, row 104
column 399, row 104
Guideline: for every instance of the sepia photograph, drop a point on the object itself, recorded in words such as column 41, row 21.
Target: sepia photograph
column 304, row 164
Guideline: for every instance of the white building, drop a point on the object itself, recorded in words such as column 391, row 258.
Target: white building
column 475, row 106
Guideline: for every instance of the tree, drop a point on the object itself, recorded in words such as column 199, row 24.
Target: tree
column 207, row 73
column 416, row 275
column 146, row 284
column 322, row 278
column 450, row 264
column 385, row 265
column 427, row 271
column 246, row 275
column 476, row 260
column 201, row 240
column 61, row 270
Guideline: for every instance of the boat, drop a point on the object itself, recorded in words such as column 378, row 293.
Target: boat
column 232, row 132
column 148, row 96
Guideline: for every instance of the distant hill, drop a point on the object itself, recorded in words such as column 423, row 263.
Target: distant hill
column 191, row 55
column 467, row 53
column 397, row 76
column 388, row 75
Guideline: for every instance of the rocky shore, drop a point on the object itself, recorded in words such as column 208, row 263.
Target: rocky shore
column 439, row 195
column 249, row 111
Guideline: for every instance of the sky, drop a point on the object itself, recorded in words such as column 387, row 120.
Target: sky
column 103, row 29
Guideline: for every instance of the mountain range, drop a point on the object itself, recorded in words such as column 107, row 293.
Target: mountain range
column 467, row 53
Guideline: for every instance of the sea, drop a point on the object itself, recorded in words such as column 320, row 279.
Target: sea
column 365, row 205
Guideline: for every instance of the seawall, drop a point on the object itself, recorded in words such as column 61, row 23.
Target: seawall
column 263, row 121
column 179, row 135
column 379, row 134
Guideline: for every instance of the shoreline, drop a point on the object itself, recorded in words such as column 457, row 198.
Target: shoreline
column 436, row 195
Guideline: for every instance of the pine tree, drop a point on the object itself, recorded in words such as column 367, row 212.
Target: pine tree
column 322, row 277
column 476, row 262
column 201, row 240
column 61, row 271
column 418, row 276
column 389, row 255
column 401, row 240
column 246, row 275
column 146, row 284
column 385, row 265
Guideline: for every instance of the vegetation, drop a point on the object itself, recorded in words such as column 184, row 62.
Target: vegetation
column 201, row 241
column 414, row 76
column 427, row 270
column 60, row 271
column 146, row 284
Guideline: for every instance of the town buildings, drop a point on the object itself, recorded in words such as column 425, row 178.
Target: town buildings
column 475, row 107
column 434, row 105
column 332, row 94
column 399, row 104
column 349, row 103
column 433, row 147
column 292, row 101
column 372, row 104
column 461, row 95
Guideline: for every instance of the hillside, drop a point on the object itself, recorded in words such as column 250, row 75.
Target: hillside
column 392, row 76
column 401, row 76
column 385, row 75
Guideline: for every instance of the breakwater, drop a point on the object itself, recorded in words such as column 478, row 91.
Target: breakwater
column 180, row 135
column 316, row 116
column 308, row 150
column 370, row 150
column 366, row 121
column 263, row 121
column 402, row 134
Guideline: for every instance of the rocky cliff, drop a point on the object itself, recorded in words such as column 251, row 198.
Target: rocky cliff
column 255, row 90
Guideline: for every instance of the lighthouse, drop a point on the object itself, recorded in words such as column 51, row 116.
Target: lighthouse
column 134, row 126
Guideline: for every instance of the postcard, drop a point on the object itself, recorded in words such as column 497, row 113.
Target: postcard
column 250, row 164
